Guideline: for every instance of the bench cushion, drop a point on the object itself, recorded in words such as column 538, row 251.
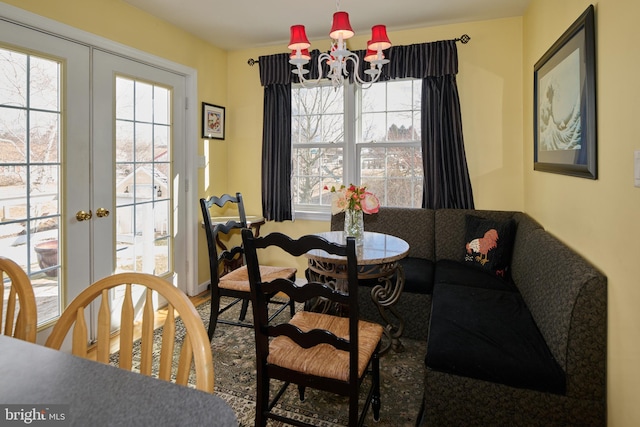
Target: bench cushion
column 458, row 273
column 418, row 275
column 489, row 335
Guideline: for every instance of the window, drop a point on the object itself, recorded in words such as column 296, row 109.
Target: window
column 361, row 136
column 143, row 193
column 31, row 114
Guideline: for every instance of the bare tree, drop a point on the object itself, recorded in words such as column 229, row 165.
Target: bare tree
column 30, row 132
column 318, row 121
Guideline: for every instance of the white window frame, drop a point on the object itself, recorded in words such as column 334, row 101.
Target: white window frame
column 352, row 149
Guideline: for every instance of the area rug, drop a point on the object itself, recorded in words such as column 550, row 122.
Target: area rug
column 233, row 351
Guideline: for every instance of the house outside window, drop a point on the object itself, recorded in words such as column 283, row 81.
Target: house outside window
column 352, row 135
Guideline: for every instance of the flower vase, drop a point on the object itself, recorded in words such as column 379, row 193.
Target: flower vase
column 354, row 225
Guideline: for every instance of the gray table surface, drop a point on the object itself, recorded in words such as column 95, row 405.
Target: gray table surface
column 98, row 394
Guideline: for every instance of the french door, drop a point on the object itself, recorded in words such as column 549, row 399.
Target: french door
column 90, row 181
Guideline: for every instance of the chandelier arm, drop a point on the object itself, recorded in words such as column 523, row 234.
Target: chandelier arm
column 337, row 73
column 356, row 68
column 304, row 81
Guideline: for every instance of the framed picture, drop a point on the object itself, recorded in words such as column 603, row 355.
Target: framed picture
column 564, row 110
column 212, row 121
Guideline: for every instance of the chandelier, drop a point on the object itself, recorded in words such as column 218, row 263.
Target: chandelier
column 339, row 55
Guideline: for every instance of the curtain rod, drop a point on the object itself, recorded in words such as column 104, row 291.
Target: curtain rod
column 464, row 39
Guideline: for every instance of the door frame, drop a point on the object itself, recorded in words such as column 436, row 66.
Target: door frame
column 58, row 29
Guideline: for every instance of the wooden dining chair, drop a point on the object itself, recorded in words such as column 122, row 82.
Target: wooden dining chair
column 20, row 314
column 233, row 282
column 195, row 347
column 316, row 350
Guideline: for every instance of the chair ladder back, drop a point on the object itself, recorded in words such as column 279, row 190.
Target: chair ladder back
column 309, row 339
column 227, row 198
column 229, row 255
column 226, row 227
column 302, row 293
column 207, row 204
column 212, row 231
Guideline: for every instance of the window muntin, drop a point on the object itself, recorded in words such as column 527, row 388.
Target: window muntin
column 31, row 117
column 348, row 134
column 388, row 149
column 143, row 168
column 318, row 129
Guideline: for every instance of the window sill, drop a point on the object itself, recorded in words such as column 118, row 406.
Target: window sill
column 313, row 216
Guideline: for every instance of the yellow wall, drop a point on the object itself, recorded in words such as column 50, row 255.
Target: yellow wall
column 598, row 218
column 490, row 85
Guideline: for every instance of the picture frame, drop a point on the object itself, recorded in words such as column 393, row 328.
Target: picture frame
column 213, row 121
column 565, row 140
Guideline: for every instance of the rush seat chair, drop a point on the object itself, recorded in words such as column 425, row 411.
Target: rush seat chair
column 233, row 283
column 321, row 351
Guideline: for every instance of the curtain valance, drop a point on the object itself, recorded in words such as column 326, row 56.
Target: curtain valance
column 417, row 61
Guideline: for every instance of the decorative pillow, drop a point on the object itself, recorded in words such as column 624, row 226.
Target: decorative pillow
column 489, row 243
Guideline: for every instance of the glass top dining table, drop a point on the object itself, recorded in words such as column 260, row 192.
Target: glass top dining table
column 376, row 248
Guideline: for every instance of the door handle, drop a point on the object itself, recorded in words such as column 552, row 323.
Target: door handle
column 83, row 216
column 102, row 212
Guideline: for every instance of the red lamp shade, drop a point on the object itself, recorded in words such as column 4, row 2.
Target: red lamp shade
column 341, row 26
column 298, row 38
column 371, row 55
column 379, row 38
column 304, row 54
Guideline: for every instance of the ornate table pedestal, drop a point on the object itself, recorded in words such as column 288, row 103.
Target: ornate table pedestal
column 378, row 258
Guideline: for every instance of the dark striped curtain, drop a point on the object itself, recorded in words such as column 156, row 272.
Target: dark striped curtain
column 275, row 76
column 446, row 177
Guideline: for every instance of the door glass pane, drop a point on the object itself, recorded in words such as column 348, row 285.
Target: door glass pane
column 143, row 168
column 30, row 171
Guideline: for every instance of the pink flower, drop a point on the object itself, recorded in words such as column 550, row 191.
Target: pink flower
column 353, row 198
column 370, row 203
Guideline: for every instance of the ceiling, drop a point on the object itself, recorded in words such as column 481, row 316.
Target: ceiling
column 242, row 24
